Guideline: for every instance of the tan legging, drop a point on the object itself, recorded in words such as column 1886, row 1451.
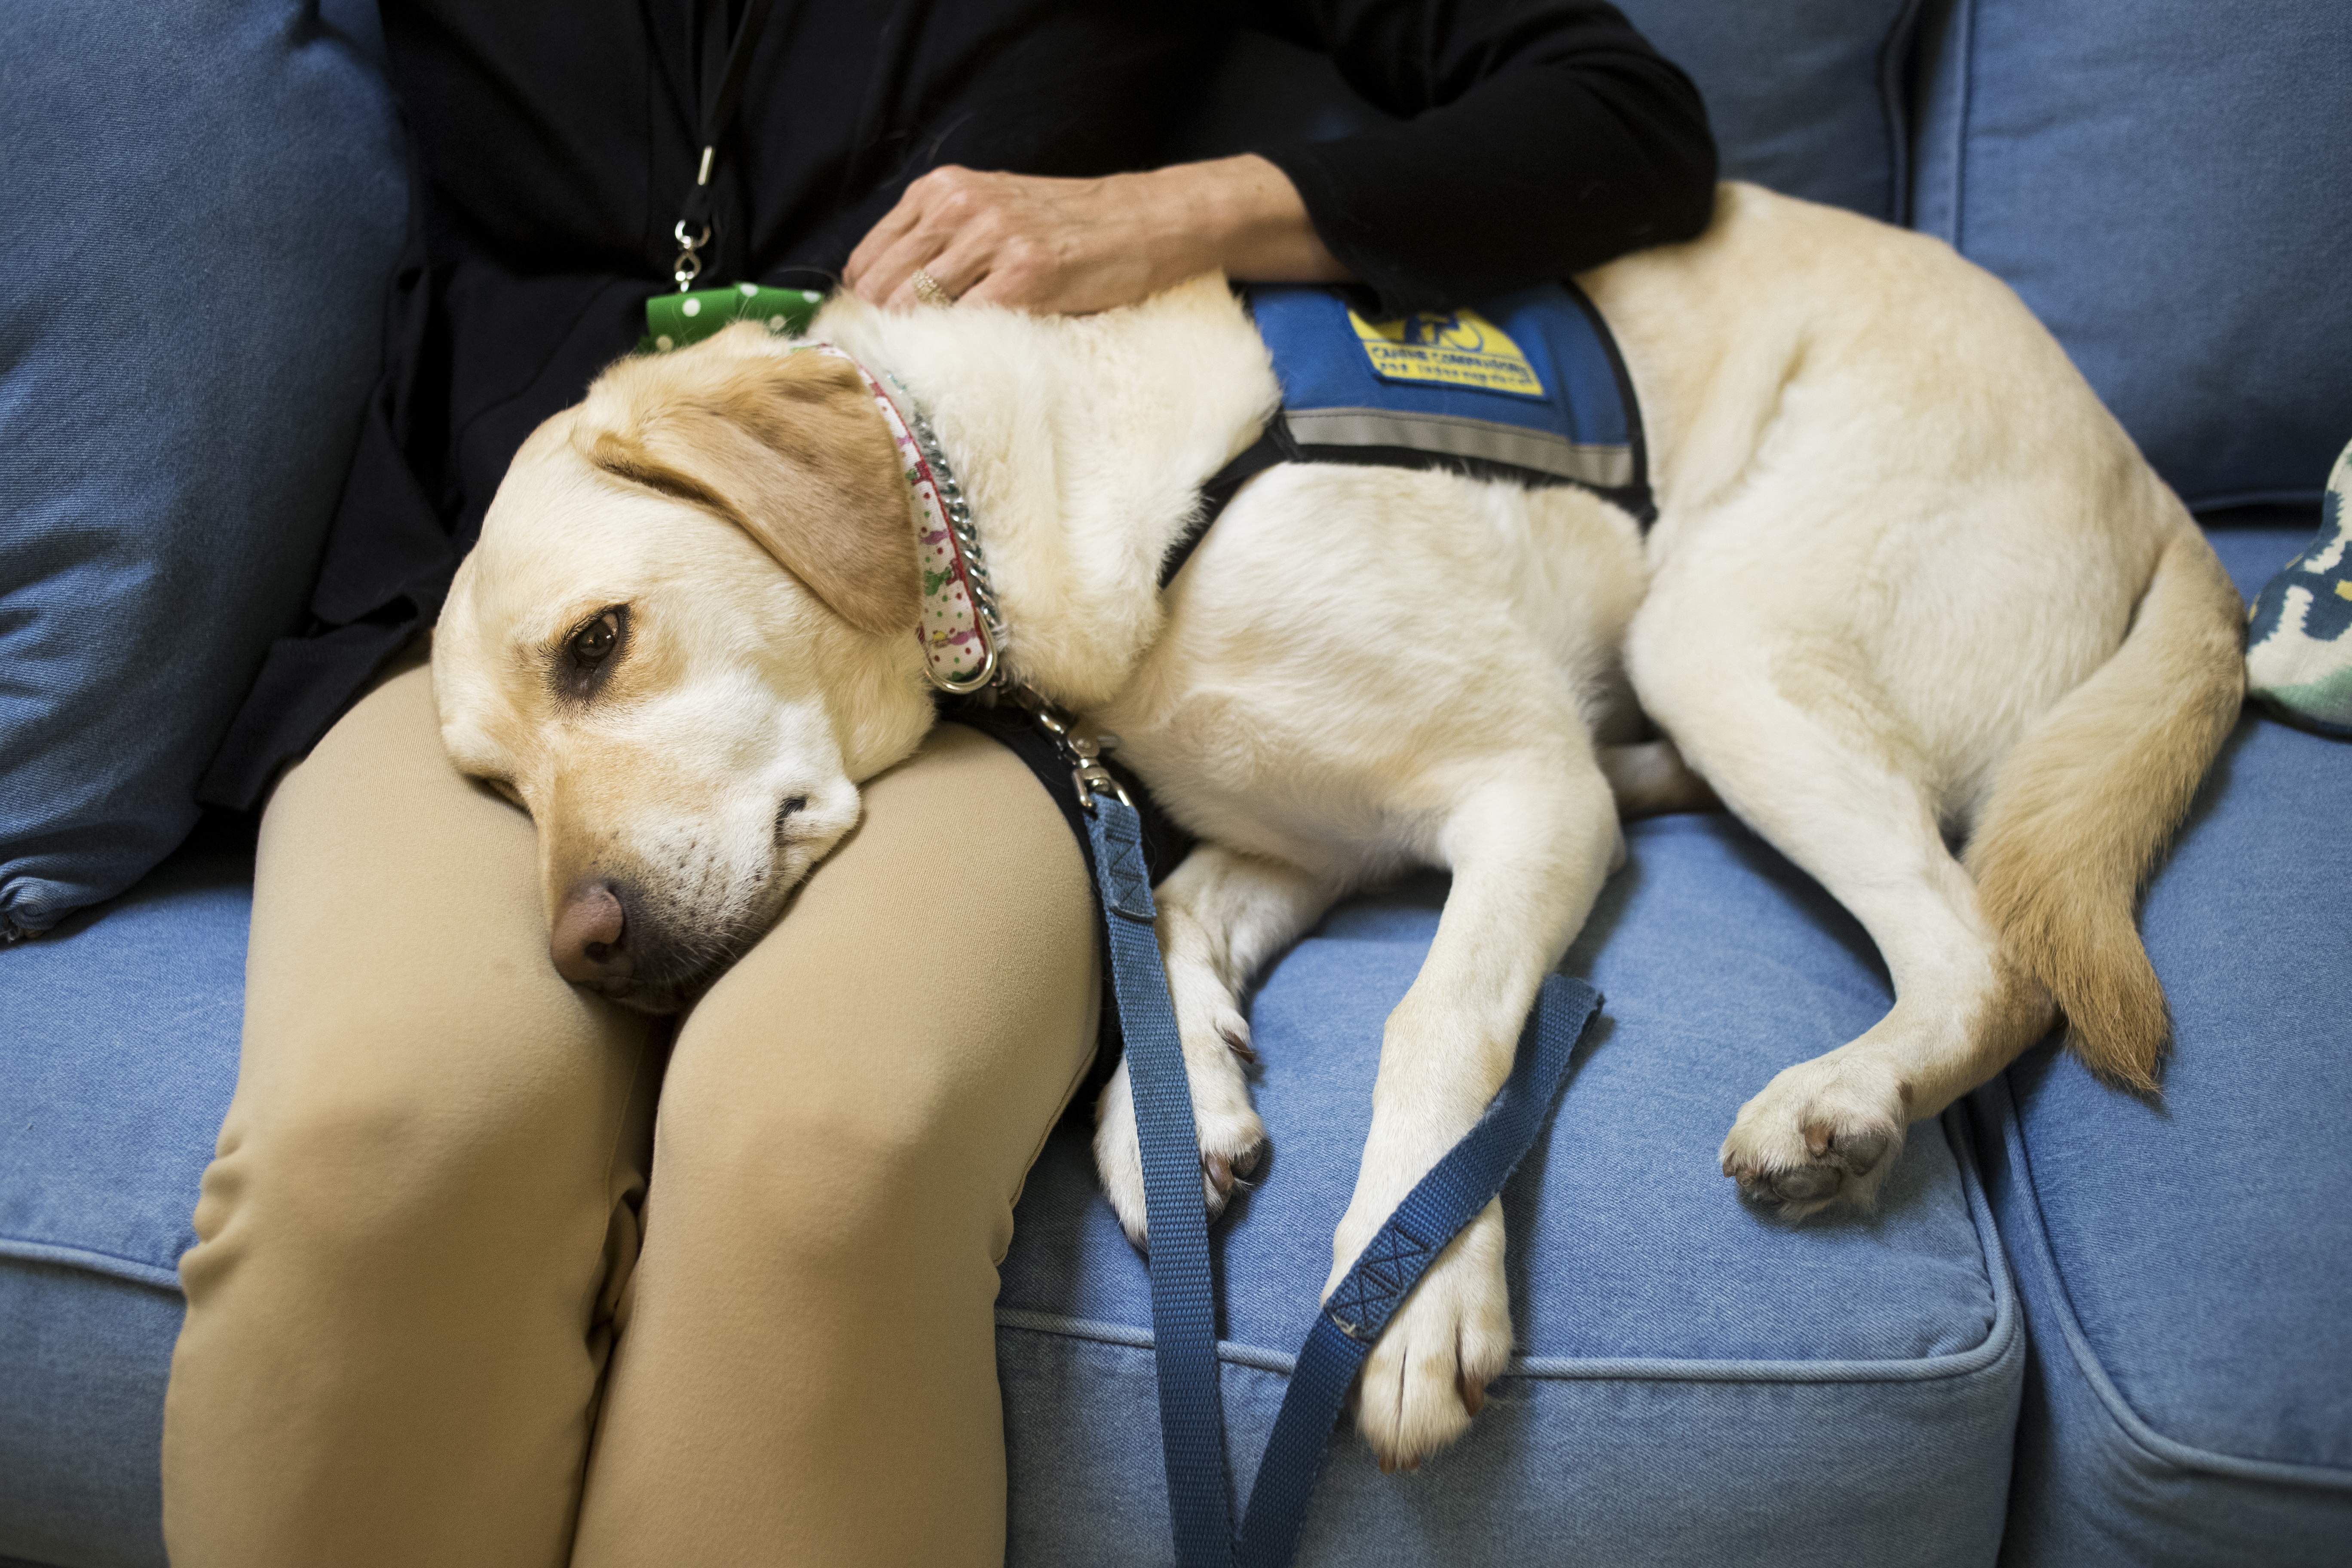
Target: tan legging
column 461, row 1295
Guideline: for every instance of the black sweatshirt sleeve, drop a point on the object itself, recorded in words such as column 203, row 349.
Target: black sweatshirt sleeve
column 1535, row 137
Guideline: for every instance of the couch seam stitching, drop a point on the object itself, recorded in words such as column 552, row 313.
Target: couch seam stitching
column 92, row 1259
column 1559, row 1369
column 1999, row 1344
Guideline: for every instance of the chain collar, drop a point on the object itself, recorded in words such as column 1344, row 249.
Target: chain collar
column 961, row 631
column 960, row 552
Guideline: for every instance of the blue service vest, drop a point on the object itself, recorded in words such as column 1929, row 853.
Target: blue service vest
column 1525, row 387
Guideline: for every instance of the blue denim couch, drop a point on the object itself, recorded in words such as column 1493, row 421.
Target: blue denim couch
column 2080, row 1330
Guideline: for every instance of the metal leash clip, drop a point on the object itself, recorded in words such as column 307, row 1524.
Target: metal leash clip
column 1083, row 753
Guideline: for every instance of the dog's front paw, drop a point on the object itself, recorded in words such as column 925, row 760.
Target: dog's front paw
column 1232, row 1144
column 1823, row 1132
column 1428, row 1376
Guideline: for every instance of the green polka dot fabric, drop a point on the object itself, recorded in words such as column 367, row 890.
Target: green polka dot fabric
column 2299, row 639
column 673, row 320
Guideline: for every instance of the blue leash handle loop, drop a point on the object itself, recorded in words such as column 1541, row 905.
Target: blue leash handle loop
column 1183, row 1292
column 1449, row 1197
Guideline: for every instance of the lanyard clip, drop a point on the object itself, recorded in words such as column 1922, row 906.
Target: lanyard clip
column 689, row 266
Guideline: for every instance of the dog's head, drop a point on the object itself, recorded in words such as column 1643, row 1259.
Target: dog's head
column 683, row 641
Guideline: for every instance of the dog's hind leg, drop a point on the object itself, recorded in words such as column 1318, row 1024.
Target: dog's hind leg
column 1222, row 914
column 1809, row 758
column 1529, row 844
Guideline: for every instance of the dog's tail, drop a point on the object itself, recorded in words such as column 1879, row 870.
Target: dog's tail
column 2084, row 804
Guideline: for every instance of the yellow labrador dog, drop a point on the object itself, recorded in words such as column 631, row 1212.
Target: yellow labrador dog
column 1909, row 585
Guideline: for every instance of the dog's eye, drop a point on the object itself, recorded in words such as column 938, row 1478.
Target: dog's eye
column 592, row 644
column 589, row 655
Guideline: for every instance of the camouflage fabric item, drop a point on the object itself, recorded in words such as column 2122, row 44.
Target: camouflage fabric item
column 673, row 320
column 2299, row 641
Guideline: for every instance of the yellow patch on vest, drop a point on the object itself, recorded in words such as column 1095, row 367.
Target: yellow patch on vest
column 1452, row 348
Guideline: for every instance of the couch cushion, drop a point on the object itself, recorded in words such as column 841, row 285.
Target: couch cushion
column 2162, row 181
column 1701, row 1385
column 1672, row 1332
column 200, row 204
column 81, row 1417
column 2186, row 1268
column 1806, row 96
column 1695, row 1379
column 122, row 1026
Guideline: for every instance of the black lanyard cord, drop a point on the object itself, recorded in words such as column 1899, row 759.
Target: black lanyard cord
column 718, row 105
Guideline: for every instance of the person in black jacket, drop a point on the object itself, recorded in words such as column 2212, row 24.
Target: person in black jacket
column 465, row 1290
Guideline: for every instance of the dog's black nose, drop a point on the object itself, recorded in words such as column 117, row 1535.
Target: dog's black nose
column 590, row 942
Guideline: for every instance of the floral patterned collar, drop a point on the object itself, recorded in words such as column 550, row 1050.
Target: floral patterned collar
column 960, row 630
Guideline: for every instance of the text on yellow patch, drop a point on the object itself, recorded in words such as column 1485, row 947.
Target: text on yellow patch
column 1452, row 348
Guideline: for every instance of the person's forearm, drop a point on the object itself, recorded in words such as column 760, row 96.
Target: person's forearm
column 1243, row 217
column 1523, row 139
column 1539, row 174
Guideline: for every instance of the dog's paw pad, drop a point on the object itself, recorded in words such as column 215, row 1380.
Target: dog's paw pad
column 1856, row 1151
column 1820, row 1133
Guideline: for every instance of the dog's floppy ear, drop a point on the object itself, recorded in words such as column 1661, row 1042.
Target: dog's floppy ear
column 789, row 446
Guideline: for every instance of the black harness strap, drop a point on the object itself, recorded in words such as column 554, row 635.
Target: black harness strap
column 1275, row 445
column 1279, row 444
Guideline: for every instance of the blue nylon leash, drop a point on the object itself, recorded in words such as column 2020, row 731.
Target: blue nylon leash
column 1183, row 1292
column 1183, row 1300
column 1183, row 1283
column 1448, row 1198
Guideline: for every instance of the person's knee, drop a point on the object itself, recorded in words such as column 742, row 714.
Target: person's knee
column 818, row 1166
column 319, row 1185
column 379, row 1179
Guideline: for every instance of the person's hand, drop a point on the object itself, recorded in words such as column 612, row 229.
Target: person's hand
column 1075, row 245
